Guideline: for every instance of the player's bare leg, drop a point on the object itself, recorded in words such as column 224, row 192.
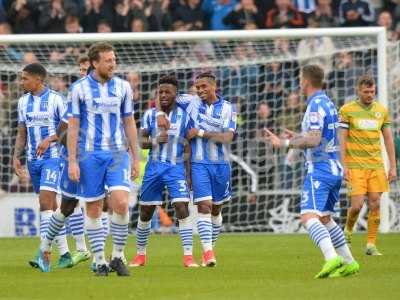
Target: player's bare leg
column 373, row 223
column 356, row 203
column 186, row 233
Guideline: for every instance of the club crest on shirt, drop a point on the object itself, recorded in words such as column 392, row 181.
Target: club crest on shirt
column 316, row 184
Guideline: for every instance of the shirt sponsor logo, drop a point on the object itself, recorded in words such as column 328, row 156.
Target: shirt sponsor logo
column 110, row 105
column 38, row 119
column 367, row 124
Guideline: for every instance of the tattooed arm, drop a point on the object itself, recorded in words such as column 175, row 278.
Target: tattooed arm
column 311, row 139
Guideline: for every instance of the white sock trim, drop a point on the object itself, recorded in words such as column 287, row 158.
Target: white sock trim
column 120, row 219
column 217, row 220
column 93, row 223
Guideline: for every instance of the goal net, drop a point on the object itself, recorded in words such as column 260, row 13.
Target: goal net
column 258, row 71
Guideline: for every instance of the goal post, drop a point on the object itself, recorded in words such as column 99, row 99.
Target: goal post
column 257, row 70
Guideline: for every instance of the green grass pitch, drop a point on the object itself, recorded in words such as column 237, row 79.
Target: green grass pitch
column 249, row 267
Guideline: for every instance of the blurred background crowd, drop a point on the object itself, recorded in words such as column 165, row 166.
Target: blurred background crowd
column 266, row 95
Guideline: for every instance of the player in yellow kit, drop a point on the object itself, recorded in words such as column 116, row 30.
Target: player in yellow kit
column 362, row 121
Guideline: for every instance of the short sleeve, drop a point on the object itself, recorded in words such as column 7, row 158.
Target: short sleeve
column 59, row 108
column 127, row 102
column 230, row 118
column 67, row 113
column 73, row 100
column 386, row 119
column 146, row 120
column 21, row 115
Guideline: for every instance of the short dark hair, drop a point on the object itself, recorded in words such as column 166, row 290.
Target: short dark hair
column 208, row 75
column 82, row 59
column 367, row 80
column 315, row 74
column 36, row 69
column 96, row 49
column 168, row 79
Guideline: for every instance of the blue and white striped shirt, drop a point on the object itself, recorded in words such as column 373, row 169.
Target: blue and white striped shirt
column 321, row 114
column 173, row 151
column 100, row 109
column 41, row 115
column 217, row 117
column 305, row 6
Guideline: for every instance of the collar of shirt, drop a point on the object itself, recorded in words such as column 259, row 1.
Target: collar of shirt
column 91, row 77
column 219, row 100
column 316, row 94
column 45, row 90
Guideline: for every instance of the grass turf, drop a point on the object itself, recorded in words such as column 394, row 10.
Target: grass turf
column 249, row 267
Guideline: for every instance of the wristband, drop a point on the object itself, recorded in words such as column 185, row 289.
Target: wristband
column 160, row 113
column 200, row 133
column 286, row 143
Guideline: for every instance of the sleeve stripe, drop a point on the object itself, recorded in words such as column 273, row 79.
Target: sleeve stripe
column 344, row 125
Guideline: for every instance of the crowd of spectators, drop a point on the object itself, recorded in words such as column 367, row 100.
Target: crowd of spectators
column 74, row 16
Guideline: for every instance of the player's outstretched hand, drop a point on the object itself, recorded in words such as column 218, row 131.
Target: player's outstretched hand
column 43, row 146
column 288, row 134
column 74, row 171
column 392, row 174
column 272, row 138
column 192, row 133
column 135, row 169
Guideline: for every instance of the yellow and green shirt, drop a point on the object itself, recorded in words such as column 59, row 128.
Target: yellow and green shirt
column 364, row 123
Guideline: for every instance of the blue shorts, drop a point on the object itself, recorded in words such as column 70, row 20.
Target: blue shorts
column 320, row 194
column 157, row 176
column 67, row 186
column 45, row 174
column 100, row 168
column 211, row 182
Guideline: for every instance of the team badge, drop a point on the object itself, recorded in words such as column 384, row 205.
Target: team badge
column 314, row 117
column 378, row 115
